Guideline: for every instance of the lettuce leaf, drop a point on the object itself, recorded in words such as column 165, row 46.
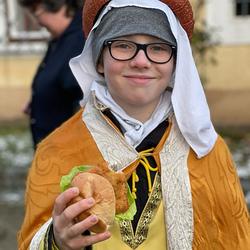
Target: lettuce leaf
column 129, row 214
column 66, row 179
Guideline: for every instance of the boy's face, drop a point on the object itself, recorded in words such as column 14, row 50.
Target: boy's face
column 138, row 82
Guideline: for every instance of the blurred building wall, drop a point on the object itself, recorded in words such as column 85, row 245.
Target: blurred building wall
column 16, row 73
column 22, row 44
column 230, row 23
column 17, row 70
column 227, row 83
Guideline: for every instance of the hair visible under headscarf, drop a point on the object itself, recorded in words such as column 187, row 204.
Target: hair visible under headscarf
column 131, row 20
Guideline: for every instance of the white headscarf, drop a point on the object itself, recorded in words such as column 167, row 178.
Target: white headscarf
column 188, row 97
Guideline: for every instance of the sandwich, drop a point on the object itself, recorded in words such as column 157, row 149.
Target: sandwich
column 113, row 199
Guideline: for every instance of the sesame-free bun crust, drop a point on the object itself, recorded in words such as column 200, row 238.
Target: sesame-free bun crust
column 98, row 187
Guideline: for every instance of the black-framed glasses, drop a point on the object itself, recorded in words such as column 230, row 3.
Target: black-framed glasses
column 123, row 50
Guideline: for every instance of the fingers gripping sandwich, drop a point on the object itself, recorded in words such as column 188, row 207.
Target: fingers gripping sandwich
column 112, row 196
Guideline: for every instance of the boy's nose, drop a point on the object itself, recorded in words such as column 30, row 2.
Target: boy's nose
column 140, row 60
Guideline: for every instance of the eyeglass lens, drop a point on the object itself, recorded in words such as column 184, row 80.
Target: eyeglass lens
column 126, row 50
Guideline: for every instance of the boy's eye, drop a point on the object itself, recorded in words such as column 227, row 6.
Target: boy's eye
column 122, row 45
column 158, row 48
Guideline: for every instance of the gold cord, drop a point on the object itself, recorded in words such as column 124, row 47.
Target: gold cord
column 143, row 160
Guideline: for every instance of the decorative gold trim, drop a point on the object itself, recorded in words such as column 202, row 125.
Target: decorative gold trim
column 147, row 216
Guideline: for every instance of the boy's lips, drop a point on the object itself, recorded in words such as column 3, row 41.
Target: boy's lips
column 139, row 79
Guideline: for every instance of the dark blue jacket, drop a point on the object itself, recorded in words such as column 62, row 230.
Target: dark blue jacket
column 55, row 91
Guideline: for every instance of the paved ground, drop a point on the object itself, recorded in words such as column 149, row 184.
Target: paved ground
column 11, row 218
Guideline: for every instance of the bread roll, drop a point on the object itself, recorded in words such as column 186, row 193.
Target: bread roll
column 98, row 187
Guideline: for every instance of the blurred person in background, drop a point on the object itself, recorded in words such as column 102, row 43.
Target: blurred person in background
column 55, row 93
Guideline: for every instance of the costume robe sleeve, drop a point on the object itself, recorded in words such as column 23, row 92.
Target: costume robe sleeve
column 41, row 190
column 221, row 218
column 68, row 146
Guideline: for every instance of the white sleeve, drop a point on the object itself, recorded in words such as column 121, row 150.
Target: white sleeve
column 38, row 238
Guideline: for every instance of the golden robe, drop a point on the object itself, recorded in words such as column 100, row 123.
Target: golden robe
column 220, row 215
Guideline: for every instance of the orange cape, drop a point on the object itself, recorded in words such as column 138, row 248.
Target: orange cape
column 221, row 219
